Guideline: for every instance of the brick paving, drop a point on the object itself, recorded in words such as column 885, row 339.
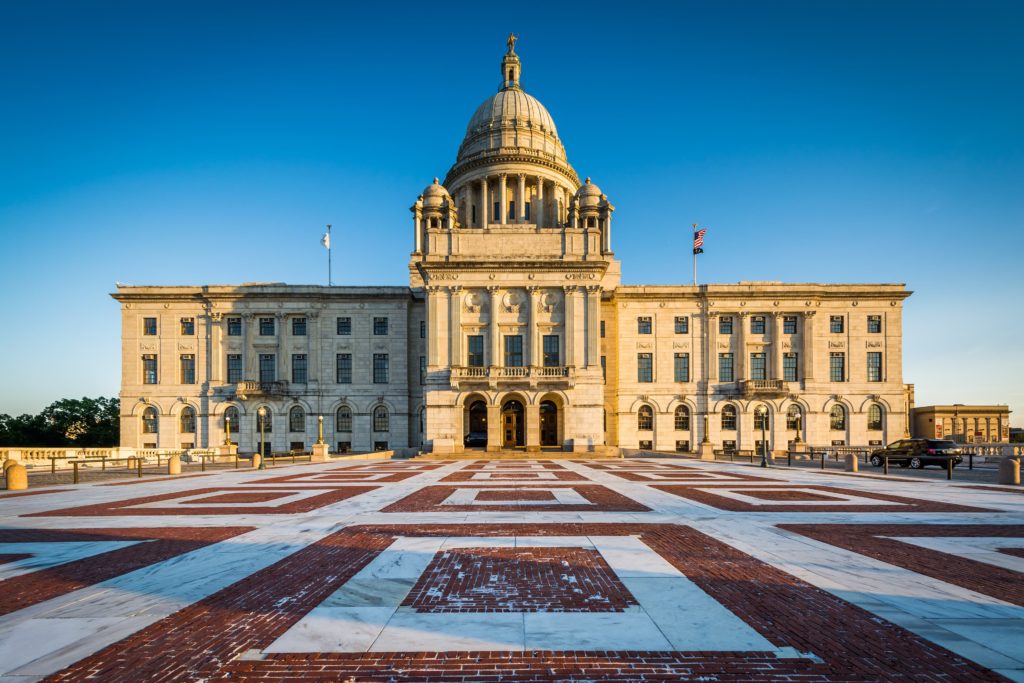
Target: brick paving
column 305, row 570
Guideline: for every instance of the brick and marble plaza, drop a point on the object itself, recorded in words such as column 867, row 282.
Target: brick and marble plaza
column 513, row 570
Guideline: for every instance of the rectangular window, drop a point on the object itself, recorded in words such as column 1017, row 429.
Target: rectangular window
column 343, row 368
column 299, row 368
column 511, row 211
column 757, row 324
column 149, row 327
column 513, row 351
column 874, row 366
column 268, row 367
column 344, row 326
column 526, row 211
column 149, row 369
column 234, row 368
column 551, row 359
column 380, row 327
column 725, row 324
column 423, row 370
column 298, row 327
column 789, row 367
column 604, row 367
column 682, row 324
column 475, row 350
column 188, row 327
column 757, row 366
column 837, row 366
column 725, row 367
column 380, row 368
column 875, row 324
column 423, row 329
column 835, row 324
column 789, row 324
column 644, row 367
column 188, row 368
column 602, row 329
column 497, row 211
column 234, row 327
column 682, row 446
column 682, row 367
column 266, row 327
column 643, row 325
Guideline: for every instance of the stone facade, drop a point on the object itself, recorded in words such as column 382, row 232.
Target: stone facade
column 965, row 423
column 515, row 331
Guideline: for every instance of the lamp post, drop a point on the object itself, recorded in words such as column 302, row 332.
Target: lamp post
column 320, row 429
column 227, row 430
column 762, row 411
column 799, row 425
column 705, row 439
column 262, row 412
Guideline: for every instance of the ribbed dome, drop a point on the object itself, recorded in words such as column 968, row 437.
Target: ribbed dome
column 512, row 106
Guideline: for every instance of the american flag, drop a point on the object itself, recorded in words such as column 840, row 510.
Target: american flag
column 698, row 241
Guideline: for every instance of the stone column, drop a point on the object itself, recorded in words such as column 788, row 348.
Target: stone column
column 481, row 215
column 280, row 320
column 776, row 368
column 432, row 334
column 521, row 199
column 570, row 324
column 593, row 326
column 215, row 359
column 502, row 197
column 538, row 211
column 710, row 324
column 455, row 326
column 493, row 428
column 807, row 345
column 532, row 431
column 417, row 225
column 742, row 320
column 534, row 356
column 495, row 333
column 249, row 367
column 313, row 348
column 608, row 233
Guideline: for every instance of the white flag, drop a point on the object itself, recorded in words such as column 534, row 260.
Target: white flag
column 326, row 240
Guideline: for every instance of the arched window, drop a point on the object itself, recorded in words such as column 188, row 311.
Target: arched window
column 875, row 417
column 296, row 419
column 187, row 421
column 838, row 417
column 645, row 419
column 343, row 420
column 729, row 418
column 793, row 417
column 682, row 418
column 266, row 420
column 380, row 419
column 231, row 413
column 761, row 417
column 149, row 420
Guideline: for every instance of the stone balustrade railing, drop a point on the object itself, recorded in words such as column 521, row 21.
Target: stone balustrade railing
column 59, row 458
column 506, row 372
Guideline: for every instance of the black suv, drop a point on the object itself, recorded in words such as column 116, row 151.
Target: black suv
column 918, row 453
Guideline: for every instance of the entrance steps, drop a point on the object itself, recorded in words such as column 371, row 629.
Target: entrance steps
column 519, row 454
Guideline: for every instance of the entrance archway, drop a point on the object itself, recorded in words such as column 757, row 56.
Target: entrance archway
column 476, row 435
column 548, row 423
column 513, row 424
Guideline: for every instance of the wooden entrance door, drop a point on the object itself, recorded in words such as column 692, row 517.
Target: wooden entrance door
column 509, row 428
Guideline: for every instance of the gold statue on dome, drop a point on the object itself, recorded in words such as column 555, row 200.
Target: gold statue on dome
column 512, row 38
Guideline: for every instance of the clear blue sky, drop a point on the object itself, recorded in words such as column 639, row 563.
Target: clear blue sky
column 192, row 143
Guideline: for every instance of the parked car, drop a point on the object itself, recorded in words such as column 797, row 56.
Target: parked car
column 918, row 453
column 475, row 439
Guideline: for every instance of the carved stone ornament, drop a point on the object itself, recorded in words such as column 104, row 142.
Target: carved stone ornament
column 549, row 302
column 512, row 302
column 474, row 302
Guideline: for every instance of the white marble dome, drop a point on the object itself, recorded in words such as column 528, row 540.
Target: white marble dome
column 589, row 194
column 435, row 195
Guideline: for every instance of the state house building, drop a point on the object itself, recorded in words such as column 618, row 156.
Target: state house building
column 516, row 332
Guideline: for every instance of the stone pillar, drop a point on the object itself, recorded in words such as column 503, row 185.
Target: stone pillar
column 249, row 367
column 432, row 334
column 534, row 352
column 807, row 345
column 776, row 367
column 417, row 224
column 502, row 197
column 570, row 325
column 593, row 326
column 16, row 477
column 174, row 464
column 493, row 428
column 533, row 427
column 279, row 348
column 521, row 199
column 711, row 334
column 481, row 215
column 1009, row 470
column 538, row 211
column 608, row 233
column 455, row 326
column 495, row 333
column 740, row 330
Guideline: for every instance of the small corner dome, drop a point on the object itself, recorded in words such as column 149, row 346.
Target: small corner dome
column 589, row 194
column 435, row 195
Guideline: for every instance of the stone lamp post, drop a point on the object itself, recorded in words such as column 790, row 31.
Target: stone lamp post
column 320, row 451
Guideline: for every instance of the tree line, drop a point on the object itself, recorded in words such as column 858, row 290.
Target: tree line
column 81, row 423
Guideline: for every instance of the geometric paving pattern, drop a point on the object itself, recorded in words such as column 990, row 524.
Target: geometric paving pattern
column 514, row 570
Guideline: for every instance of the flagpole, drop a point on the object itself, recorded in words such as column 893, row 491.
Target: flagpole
column 694, row 259
column 329, row 281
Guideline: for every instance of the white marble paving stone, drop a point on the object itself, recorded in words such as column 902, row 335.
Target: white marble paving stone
column 411, row 631
column 45, row 555
column 41, row 646
column 628, row 630
column 334, row 629
column 370, row 592
column 628, row 556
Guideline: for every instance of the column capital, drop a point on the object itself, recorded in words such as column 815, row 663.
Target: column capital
column 593, row 288
column 533, row 289
column 434, row 289
column 454, row 289
column 809, row 314
column 570, row 289
column 493, row 289
column 743, row 314
column 503, row 175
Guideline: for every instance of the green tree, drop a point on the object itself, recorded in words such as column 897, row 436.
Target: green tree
column 85, row 422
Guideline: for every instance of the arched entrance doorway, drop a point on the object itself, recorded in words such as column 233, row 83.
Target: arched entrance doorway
column 548, row 423
column 513, row 424
column 476, row 435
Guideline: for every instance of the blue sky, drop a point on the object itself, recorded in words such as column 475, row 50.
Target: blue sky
column 191, row 143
